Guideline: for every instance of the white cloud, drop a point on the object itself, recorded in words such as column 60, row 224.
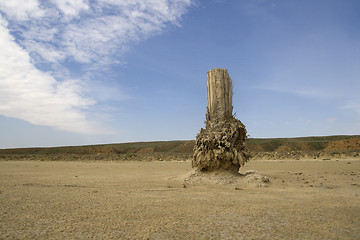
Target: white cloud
column 92, row 33
column 34, row 96
column 71, row 8
column 45, row 52
column 88, row 31
column 353, row 104
column 21, row 10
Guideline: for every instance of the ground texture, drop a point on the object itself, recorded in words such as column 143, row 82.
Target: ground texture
column 305, row 199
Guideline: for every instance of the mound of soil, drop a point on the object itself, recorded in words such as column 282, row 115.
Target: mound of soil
column 249, row 179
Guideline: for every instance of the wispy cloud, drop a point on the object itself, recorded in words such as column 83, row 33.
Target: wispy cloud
column 353, row 104
column 96, row 31
column 34, row 34
column 71, row 8
column 21, row 10
column 304, row 91
column 29, row 94
column 318, row 65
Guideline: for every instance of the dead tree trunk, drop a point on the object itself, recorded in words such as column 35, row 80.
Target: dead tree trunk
column 221, row 145
column 219, row 87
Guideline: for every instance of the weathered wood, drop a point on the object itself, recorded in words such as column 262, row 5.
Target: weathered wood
column 219, row 87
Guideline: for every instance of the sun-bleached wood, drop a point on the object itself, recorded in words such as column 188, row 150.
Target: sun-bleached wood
column 219, row 94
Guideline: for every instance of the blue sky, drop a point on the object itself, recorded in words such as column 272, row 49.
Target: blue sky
column 77, row 72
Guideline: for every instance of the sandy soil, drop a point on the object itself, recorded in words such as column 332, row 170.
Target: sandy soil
column 147, row 200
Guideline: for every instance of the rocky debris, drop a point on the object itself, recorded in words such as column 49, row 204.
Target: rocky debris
column 256, row 179
column 297, row 155
column 154, row 156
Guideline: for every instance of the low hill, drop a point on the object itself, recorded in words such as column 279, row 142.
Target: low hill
column 306, row 147
column 269, row 148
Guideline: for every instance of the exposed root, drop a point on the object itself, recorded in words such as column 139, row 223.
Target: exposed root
column 221, row 146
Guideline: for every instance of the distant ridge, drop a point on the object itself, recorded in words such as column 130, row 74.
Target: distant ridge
column 261, row 147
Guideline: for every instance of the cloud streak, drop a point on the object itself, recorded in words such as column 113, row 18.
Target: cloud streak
column 318, row 69
column 38, row 35
column 89, row 32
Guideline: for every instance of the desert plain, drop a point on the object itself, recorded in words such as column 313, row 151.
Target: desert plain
column 304, row 199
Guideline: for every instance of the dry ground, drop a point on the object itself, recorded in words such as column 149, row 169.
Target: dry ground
column 312, row 199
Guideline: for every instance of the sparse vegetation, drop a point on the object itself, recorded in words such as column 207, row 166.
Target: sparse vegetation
column 271, row 148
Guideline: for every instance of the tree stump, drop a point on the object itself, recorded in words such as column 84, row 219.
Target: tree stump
column 219, row 86
column 221, row 145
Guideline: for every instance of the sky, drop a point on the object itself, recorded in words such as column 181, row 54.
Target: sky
column 79, row 72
